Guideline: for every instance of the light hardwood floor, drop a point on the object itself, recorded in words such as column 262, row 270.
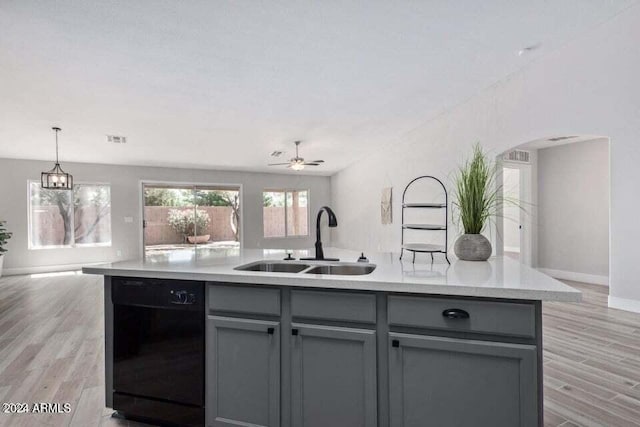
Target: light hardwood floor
column 51, row 350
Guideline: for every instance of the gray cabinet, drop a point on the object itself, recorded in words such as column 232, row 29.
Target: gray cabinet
column 438, row 381
column 333, row 376
column 243, row 372
column 318, row 358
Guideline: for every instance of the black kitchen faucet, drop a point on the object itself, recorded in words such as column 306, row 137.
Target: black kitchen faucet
column 333, row 222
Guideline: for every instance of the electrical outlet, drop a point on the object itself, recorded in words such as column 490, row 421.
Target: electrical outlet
column 119, row 253
column 128, row 219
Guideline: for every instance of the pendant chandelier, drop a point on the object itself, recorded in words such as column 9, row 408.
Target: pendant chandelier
column 56, row 178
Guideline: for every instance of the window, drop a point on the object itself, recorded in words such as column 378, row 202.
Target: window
column 285, row 213
column 64, row 219
column 183, row 216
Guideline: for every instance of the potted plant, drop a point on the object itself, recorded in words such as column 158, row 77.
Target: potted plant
column 4, row 237
column 476, row 199
column 186, row 223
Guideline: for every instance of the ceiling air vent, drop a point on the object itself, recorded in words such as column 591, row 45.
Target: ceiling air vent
column 115, row 139
column 561, row 138
column 277, row 153
column 519, row 156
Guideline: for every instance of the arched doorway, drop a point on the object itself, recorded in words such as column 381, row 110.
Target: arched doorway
column 562, row 224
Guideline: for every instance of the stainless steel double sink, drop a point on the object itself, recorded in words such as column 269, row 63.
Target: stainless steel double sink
column 333, row 268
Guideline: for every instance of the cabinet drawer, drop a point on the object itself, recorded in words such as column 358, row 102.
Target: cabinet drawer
column 244, row 299
column 347, row 306
column 485, row 317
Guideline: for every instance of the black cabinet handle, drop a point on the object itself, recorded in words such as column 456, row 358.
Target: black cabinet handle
column 455, row 313
column 395, row 343
column 294, row 332
column 270, row 331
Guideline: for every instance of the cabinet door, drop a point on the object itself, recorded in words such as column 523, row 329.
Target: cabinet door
column 333, row 378
column 243, row 372
column 436, row 381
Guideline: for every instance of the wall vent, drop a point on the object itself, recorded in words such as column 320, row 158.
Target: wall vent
column 562, row 138
column 519, row 156
column 115, row 139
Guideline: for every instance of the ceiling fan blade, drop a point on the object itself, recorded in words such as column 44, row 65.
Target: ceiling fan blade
column 297, row 162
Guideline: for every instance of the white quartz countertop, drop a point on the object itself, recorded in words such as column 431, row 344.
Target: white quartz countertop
column 499, row 277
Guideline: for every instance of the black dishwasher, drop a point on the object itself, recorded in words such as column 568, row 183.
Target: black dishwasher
column 158, row 350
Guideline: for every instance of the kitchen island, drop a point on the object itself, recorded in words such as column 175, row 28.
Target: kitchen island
column 402, row 345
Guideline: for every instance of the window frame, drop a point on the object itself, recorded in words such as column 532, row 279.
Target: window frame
column 74, row 245
column 286, row 216
column 154, row 182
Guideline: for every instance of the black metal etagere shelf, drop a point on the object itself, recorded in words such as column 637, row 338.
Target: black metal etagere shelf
column 428, row 248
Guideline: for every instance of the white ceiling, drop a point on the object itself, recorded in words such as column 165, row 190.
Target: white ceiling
column 221, row 84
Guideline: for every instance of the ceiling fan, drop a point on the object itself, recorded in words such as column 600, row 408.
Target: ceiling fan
column 297, row 163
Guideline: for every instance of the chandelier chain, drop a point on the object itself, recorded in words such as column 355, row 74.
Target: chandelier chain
column 56, row 130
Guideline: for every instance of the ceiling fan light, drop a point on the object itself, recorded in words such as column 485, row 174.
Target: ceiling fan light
column 297, row 163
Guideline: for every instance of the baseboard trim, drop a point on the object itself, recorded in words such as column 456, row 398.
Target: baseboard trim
column 45, row 269
column 624, row 304
column 515, row 249
column 576, row 277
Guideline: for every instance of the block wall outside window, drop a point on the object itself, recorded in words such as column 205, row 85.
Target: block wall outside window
column 62, row 219
column 285, row 213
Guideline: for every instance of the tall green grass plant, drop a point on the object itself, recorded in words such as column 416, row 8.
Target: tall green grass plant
column 476, row 196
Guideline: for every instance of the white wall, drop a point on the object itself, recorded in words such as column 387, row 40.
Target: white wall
column 125, row 201
column 573, row 208
column 588, row 87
